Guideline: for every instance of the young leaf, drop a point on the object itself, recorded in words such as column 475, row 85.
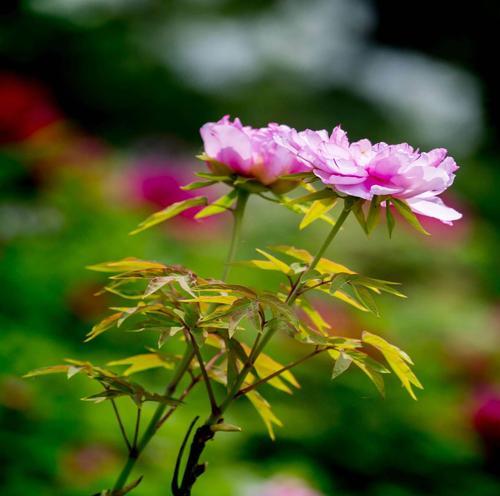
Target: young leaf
column 406, row 212
column 390, row 222
column 357, row 210
column 145, row 361
column 198, row 185
column 316, row 195
column 373, row 215
column 104, row 326
column 366, row 299
column 318, row 209
column 281, row 266
column 341, row 364
column 169, row 212
column 223, row 204
column 397, row 359
column 264, row 410
column 130, row 264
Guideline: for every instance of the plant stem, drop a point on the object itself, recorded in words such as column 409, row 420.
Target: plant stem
column 205, row 433
column 235, row 237
column 335, row 229
column 255, row 385
column 153, row 423
column 120, row 424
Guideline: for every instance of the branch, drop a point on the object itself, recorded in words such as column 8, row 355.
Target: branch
column 206, row 379
column 175, row 478
column 255, row 385
column 120, row 423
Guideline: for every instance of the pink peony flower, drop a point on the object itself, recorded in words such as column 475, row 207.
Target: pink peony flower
column 250, row 152
column 364, row 170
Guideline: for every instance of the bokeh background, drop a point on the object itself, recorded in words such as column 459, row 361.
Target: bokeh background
column 100, row 106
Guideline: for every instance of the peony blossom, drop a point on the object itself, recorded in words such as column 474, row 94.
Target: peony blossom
column 364, row 170
column 254, row 153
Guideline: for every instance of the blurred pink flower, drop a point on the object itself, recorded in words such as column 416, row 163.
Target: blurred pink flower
column 287, row 486
column 25, row 108
column 364, row 170
column 486, row 418
column 250, row 152
column 156, row 182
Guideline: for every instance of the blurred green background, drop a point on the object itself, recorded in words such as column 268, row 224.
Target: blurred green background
column 100, row 106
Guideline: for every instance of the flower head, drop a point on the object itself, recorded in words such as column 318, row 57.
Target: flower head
column 254, row 153
column 365, row 170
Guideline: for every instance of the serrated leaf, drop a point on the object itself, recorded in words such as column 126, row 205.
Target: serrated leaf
column 169, row 212
column 223, row 204
column 398, row 361
column 405, row 211
column 317, row 209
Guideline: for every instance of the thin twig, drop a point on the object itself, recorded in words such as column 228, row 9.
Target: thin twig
column 137, row 427
column 120, row 423
column 195, row 380
column 206, row 379
column 253, row 386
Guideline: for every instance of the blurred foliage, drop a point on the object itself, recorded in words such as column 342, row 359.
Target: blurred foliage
column 66, row 203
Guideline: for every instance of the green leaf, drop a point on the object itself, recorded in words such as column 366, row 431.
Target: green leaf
column 144, row 361
column 373, row 217
column 104, row 325
column 318, row 209
column 357, row 210
column 264, row 410
column 169, row 212
column 366, row 299
column 389, row 218
column 221, row 427
column 405, row 211
column 281, row 266
column 398, row 360
column 130, row 264
column 340, row 280
column 223, row 204
column 198, row 185
column 316, row 195
column 342, row 363
column 54, row 369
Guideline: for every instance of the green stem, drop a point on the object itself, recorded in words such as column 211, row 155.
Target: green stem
column 189, row 354
column 152, row 426
column 235, row 237
column 335, row 229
